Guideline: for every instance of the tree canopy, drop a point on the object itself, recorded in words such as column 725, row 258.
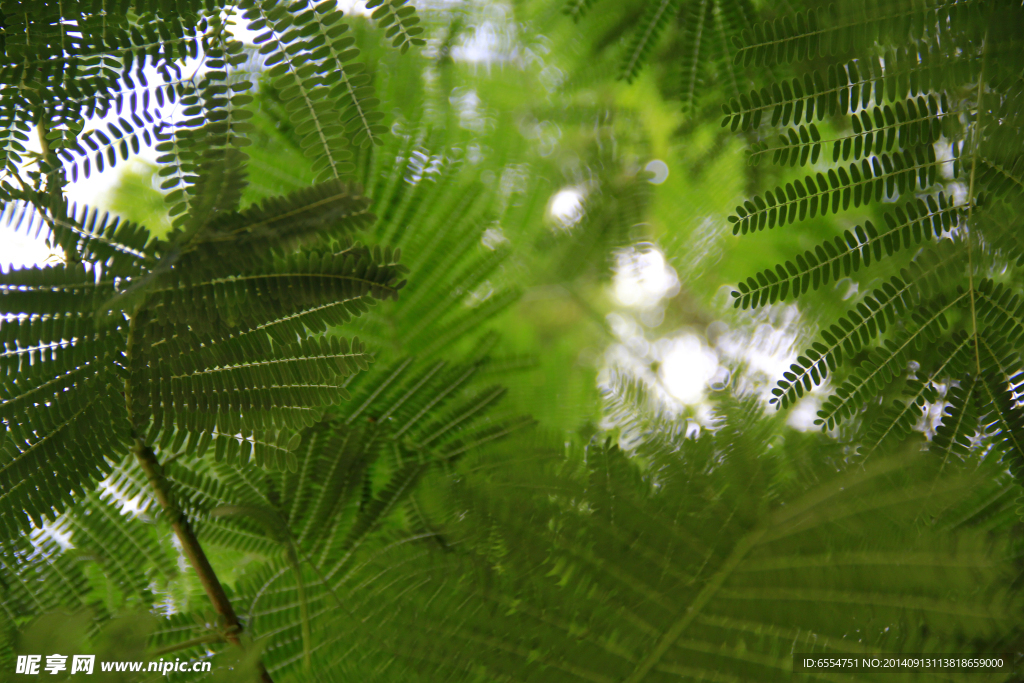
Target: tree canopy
column 548, row 340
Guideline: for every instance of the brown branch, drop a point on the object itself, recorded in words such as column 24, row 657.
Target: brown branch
column 192, row 549
column 179, row 522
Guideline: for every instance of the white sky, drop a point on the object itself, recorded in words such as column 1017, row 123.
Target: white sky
column 688, row 367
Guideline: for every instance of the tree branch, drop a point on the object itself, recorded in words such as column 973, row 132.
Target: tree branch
column 179, row 522
column 192, row 549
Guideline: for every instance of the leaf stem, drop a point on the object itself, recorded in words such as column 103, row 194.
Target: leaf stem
column 179, row 522
column 191, row 548
column 293, row 559
column 970, row 199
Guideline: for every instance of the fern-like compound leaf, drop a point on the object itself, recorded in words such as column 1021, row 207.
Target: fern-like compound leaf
column 899, row 419
column 850, row 88
column 560, row 620
column 327, row 94
column 210, row 353
column 577, row 9
column 820, row 31
column 696, row 33
column 906, row 226
column 655, row 19
column 926, row 277
column 857, row 185
column 888, row 362
column 356, row 468
column 959, row 426
column 399, row 21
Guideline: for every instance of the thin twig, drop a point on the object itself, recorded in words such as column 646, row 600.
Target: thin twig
column 192, row 549
column 190, row 545
column 970, row 202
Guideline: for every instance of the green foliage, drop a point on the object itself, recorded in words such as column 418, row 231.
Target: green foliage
column 885, row 176
column 906, row 227
column 711, row 557
column 653, row 22
column 701, row 35
column 214, row 339
column 67, row 62
column 399, row 21
column 356, row 468
column 841, row 89
column 203, row 156
column 819, row 32
column 343, row 437
column 327, row 95
column 891, row 115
